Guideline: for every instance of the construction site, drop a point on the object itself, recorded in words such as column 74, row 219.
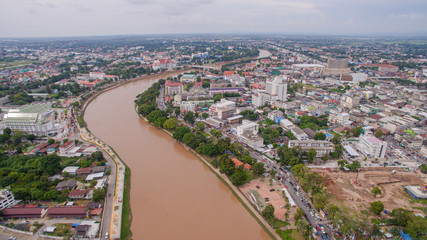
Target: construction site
column 353, row 189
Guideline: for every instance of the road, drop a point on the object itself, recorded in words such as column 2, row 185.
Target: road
column 108, row 204
column 302, row 200
column 161, row 100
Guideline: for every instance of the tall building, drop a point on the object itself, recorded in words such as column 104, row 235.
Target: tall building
column 336, row 67
column 277, row 87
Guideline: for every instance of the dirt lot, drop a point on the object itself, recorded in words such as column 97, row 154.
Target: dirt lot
column 357, row 194
column 276, row 197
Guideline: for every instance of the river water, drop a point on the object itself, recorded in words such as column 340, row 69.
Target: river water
column 173, row 195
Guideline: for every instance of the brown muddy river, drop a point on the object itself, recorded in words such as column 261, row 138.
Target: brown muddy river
column 173, row 195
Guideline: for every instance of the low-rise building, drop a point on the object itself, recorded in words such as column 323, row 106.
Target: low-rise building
column 66, row 185
column 299, row 134
column 7, row 199
column 371, row 146
column 321, row 147
column 247, row 126
column 173, row 88
column 66, row 212
column 188, row 78
column 31, row 119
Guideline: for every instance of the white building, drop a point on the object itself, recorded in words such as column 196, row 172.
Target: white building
column 247, row 126
column 31, row 119
column 274, row 115
column 371, row 146
column 321, row 147
column 7, row 199
column 349, row 101
column 96, row 75
column 359, row 77
column 260, row 98
column 339, row 118
column 215, row 108
column 286, row 124
column 277, row 88
column 299, row 134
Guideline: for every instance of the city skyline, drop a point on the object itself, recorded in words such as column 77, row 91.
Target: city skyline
column 48, row 18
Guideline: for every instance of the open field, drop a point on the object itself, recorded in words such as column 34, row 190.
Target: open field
column 356, row 194
column 275, row 197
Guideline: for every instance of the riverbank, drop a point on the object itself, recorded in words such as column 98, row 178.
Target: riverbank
column 238, row 194
column 93, row 127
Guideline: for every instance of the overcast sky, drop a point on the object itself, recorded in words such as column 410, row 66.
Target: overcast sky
column 27, row 18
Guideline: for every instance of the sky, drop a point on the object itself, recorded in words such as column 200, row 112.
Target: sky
column 48, row 18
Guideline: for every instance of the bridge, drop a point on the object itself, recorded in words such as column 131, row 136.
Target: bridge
column 206, row 67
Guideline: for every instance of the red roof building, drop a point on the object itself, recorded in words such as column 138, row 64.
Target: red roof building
column 22, row 212
column 247, row 166
column 237, row 162
column 77, row 194
column 82, row 172
column 71, row 212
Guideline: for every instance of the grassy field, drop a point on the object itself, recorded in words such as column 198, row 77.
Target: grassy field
column 4, row 65
column 126, row 211
column 259, row 199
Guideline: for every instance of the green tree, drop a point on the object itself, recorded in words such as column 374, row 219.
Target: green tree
column 50, row 141
column 239, row 178
column 376, row 191
column 402, row 216
column 180, row 132
column 201, row 126
column 258, row 169
column 189, row 117
column 93, row 183
column 320, row 200
column 423, row 168
column 417, row 228
column 98, row 195
column 216, row 133
column 209, row 149
column 355, row 166
column 7, row 131
column 205, row 115
column 377, row 207
column 356, row 131
column 177, row 111
column 299, row 214
column 378, row 133
column 273, row 173
column 171, row 123
column 336, row 139
column 268, row 212
column 342, row 163
column 319, row 136
column 30, row 137
column 311, row 153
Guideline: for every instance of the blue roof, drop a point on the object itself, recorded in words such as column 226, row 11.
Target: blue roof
column 328, row 134
column 405, row 236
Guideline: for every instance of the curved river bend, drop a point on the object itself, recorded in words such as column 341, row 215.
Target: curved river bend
column 173, row 195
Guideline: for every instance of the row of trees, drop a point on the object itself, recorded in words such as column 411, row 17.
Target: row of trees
column 211, row 145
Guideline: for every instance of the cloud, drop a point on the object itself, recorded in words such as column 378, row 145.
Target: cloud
column 410, row 16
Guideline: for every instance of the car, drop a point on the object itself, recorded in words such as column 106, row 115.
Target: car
column 106, row 235
column 272, row 190
column 109, row 195
column 12, row 238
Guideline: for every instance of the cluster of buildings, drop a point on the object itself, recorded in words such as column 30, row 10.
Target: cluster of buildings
column 37, row 119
